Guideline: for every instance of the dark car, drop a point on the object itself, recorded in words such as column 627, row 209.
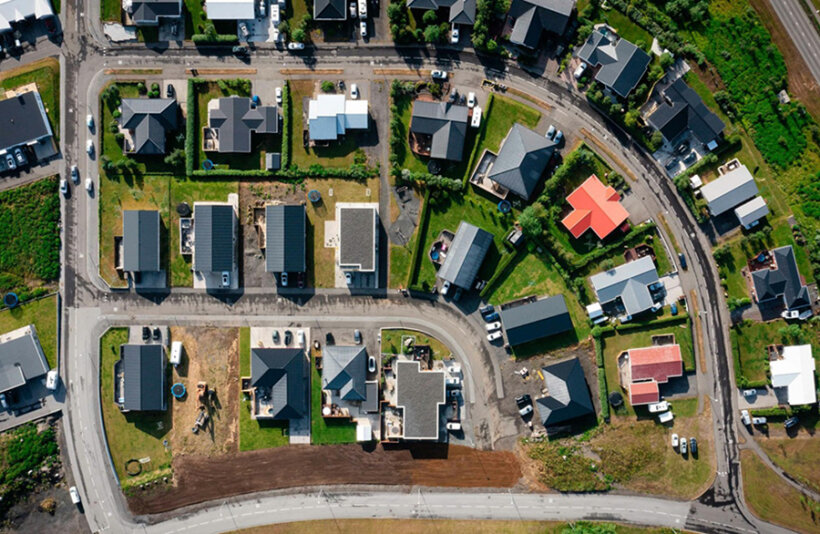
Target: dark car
column 288, row 337
column 682, row 260
column 169, row 91
column 300, row 280
column 357, row 337
column 486, row 310
column 51, row 26
column 146, row 333
column 791, row 422
column 157, row 334
column 241, row 51
column 276, row 338
column 491, row 318
column 329, row 339
column 693, row 446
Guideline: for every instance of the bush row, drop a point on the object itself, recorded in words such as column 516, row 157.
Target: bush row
column 190, row 126
column 214, row 38
column 433, row 181
column 286, row 126
column 781, row 411
column 628, row 327
column 603, row 394
column 354, row 172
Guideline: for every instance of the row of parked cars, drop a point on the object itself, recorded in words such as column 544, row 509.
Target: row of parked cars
column 14, row 159
column 680, row 444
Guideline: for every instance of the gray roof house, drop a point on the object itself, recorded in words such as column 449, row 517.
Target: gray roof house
column 214, row 237
column 330, row 10
column 148, row 12
column 285, row 235
column 521, row 161
column 21, row 358
column 142, row 368
column 783, row 281
column 622, row 64
column 284, row 375
column 23, row 121
column 628, row 282
column 535, row 320
column 420, row 395
column 750, row 213
column 733, row 188
column 531, row 18
column 140, row 241
column 234, row 119
column 344, row 369
column 148, row 120
column 357, row 238
column 445, row 123
column 460, row 12
column 568, row 396
column 467, row 251
column 681, row 110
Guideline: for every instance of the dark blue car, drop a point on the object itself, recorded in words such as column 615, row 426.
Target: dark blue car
column 491, row 317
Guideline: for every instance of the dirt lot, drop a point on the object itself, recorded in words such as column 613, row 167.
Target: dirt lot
column 210, row 355
column 201, row 479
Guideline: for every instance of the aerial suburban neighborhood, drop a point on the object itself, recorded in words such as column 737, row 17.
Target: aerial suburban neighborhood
column 414, row 265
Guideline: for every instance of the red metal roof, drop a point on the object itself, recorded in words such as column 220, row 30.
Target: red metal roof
column 658, row 363
column 595, row 206
column 643, row 393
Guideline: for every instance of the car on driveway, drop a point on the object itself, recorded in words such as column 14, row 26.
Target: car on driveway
column 279, row 95
column 445, row 287
column 21, row 159
column 791, row 422
column 169, row 91
column 354, row 91
column 494, row 336
column 471, row 99
column 758, row 420
column 454, row 34
column 363, row 28
column 296, row 46
column 524, row 404
column 240, row 51
column 550, row 131
column 357, row 337
column 744, row 417
column 749, row 392
column 492, row 317
column 10, row 162
column 439, row 74
column 486, row 310
column 283, row 279
column 492, row 327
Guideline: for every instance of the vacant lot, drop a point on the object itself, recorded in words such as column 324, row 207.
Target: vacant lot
column 340, row 153
column 46, row 74
column 750, row 339
column 30, row 233
column 798, row 457
column 42, row 314
column 392, row 344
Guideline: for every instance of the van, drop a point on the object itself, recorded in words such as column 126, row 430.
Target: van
column 665, row 417
column 52, row 379
column 176, row 353
column 658, row 407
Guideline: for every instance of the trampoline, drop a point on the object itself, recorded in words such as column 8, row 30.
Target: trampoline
column 178, row 390
column 314, row 196
column 11, row 300
column 504, row 206
column 207, row 165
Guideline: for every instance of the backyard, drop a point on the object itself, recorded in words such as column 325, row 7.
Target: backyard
column 340, row 153
column 46, row 74
column 325, row 431
column 749, row 341
column 392, row 342
column 42, row 313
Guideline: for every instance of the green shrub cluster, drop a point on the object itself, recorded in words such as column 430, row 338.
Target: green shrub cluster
column 433, row 181
column 486, row 11
column 603, row 394
column 782, row 412
column 286, row 137
column 23, row 454
column 211, row 37
column 190, row 126
column 398, row 14
column 354, row 172
column 654, row 323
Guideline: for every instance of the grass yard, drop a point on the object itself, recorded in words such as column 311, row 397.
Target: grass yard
column 339, row 154
column 391, row 343
column 195, row 17
column 400, row 257
column 255, row 434
column 190, row 191
column 771, row 499
column 326, row 431
column 750, row 339
column 46, row 74
column 30, row 233
column 321, row 260
column 111, row 10
column 132, row 435
column 798, row 457
column 42, row 314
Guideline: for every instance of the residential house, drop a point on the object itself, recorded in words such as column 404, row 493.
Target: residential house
column 148, row 12
column 438, row 129
column 628, row 288
column 530, row 19
column 285, row 238
column 21, row 358
column 279, row 384
column 460, row 11
column 24, row 123
column 521, row 161
column 535, row 319
column 329, row 10
column 794, row 372
column 782, row 282
column 732, row 189
column 465, row 255
column 358, row 237
column 140, row 241
column 146, row 122
column 230, row 9
column 750, row 213
column 595, row 207
column 620, row 64
column 344, row 370
column 232, row 120
column 139, row 383
column 332, row 116
column 567, row 397
column 420, row 396
column 677, row 109
column 18, row 11
column 215, row 230
column 645, row 368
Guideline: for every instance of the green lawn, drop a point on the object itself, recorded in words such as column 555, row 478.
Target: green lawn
column 195, row 17
column 111, row 10
column 326, row 431
column 42, row 314
column 46, row 74
column 400, row 263
column 391, row 343
column 133, row 435
column 750, row 339
column 340, row 153
column 626, row 28
column 798, row 457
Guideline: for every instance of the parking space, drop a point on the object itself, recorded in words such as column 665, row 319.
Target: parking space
column 681, row 154
column 27, row 34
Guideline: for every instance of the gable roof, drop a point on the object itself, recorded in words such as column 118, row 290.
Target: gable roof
column 21, row 358
column 795, row 371
column 285, row 372
column 622, row 64
column 536, row 320
column 149, row 119
column 235, row 119
column 752, row 211
column 357, row 238
column 630, row 282
column 461, row 11
column 230, row 9
column 140, row 240
column 330, row 116
column 446, row 123
column 19, row 10
column 682, row 109
column 641, row 393
column 285, row 235
column 420, row 394
column 143, row 368
column 595, row 206
column 733, row 188
column 567, row 393
column 214, row 233
column 521, row 161
column 659, row 363
column 533, row 17
column 782, row 281
column 330, row 9
column 466, row 253
column 146, row 12
column 344, row 370
column 23, row 119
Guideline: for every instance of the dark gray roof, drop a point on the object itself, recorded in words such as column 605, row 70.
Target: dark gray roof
column 419, row 394
column 622, row 64
column 344, row 370
column 235, row 119
column 21, row 360
column 567, row 393
column 783, row 281
column 371, row 401
column 23, row 119
column 446, row 123
column 214, row 231
column 149, row 120
column 140, row 240
column 533, row 17
column 682, row 109
column 461, row 11
column 536, row 320
column 330, row 9
column 285, row 238
column 630, row 282
column 286, row 373
column 147, row 12
column 522, row 160
column 143, row 368
column 357, row 231
column 466, row 253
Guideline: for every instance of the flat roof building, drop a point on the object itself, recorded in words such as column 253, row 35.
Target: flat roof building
column 465, row 255
column 750, row 213
column 285, row 238
column 795, row 372
column 358, row 237
column 730, row 190
column 331, row 116
column 21, row 358
column 536, row 320
column 230, row 9
column 420, row 395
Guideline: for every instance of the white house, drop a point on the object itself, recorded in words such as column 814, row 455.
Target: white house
column 230, row 9
column 12, row 11
column 795, row 372
column 330, row 116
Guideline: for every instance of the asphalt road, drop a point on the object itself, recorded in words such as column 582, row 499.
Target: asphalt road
column 802, row 32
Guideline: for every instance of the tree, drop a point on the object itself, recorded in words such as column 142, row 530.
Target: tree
column 328, row 86
column 432, row 34
column 530, row 220
column 299, row 35
column 666, row 60
column 429, row 17
column 790, row 333
column 175, row 159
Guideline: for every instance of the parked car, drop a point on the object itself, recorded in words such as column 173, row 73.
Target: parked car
column 89, row 121
column 157, row 334
column 276, row 337
column 682, row 260
column 550, row 131
column 89, row 147
column 75, row 174
column 357, row 337
column 10, row 162
column 445, row 287
column 51, row 26
column 354, row 91
column 300, row 279
column 486, row 310
column 454, row 35
column 75, row 495
column 454, row 393
column 4, row 402
column 279, row 95
column 283, row 279
column 683, row 445
column 439, row 74
column 288, row 337
column 791, row 422
column 169, row 91
column 453, row 425
column 226, row 279
column 524, row 403
column 582, row 68
column 52, row 380
column 64, row 186
column 146, row 333
column 89, row 185
column 363, row 28
column 371, row 364
column 300, row 338
column 263, row 8
column 758, row 420
column 559, row 136
column 352, row 10
column 674, row 308
column 453, row 382
column 329, row 339
column 21, row 159
column 296, row 46
column 362, row 9
column 243, row 28
column 491, row 327
column 693, row 446
column 471, row 99
column 492, row 317
column 457, row 294
column 658, row 407
column 666, row 417
column 744, row 417
column 494, row 336
column 749, row 392
column 240, row 50
column 675, row 441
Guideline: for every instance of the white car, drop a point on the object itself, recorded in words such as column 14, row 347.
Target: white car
column 89, row 185
column 495, row 335
column 75, row 174
column 52, row 380
column 64, row 186
column 454, row 425
column 354, row 91
column 683, row 445
column 658, row 407
column 296, row 46
column 675, row 441
column 744, row 416
column 244, row 29
column 283, row 279
column 471, row 100
column 75, row 495
column 89, row 147
column 492, row 327
column 89, row 121
column 445, row 287
column 439, row 74
column 352, row 10
column 362, row 9
column 226, row 279
column 550, row 131
column 749, row 392
column 580, row 71
column 300, row 338
column 758, row 420
column 363, row 28
column 279, row 95
column 454, row 34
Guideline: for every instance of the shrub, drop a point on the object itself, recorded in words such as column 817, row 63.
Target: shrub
column 286, row 133
column 603, row 394
column 530, row 220
column 328, row 86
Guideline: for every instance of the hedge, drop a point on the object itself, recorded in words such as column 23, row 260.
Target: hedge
column 286, row 126
column 781, row 411
column 355, row 172
column 190, row 126
column 499, row 271
column 603, row 394
column 599, row 351
column 202, row 38
column 628, row 327
column 572, row 262
column 420, row 233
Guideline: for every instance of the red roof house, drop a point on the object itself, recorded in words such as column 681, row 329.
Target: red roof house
column 658, row 363
column 595, row 206
column 643, row 393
